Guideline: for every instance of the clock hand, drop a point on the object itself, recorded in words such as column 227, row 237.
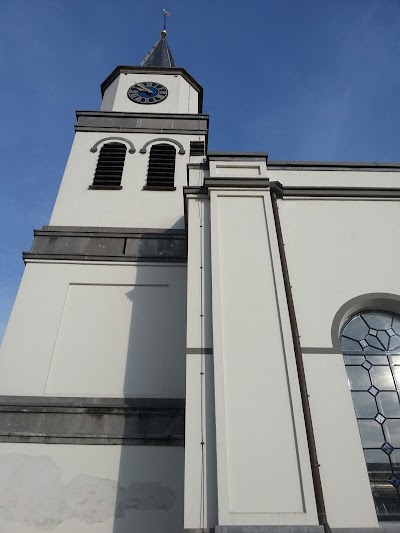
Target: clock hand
column 143, row 88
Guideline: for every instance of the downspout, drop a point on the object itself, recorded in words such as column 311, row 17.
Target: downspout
column 319, row 495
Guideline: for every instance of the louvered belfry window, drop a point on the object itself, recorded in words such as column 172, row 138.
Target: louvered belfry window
column 197, row 147
column 161, row 169
column 110, row 165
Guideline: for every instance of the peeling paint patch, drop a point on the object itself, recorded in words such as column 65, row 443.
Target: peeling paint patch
column 31, row 492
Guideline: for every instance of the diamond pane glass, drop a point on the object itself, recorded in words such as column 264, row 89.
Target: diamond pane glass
column 373, row 370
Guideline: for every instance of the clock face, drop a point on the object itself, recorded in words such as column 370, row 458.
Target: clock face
column 147, row 92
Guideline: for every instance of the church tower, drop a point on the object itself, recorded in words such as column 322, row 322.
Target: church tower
column 92, row 367
column 187, row 327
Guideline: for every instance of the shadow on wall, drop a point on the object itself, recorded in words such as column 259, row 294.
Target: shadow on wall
column 150, row 483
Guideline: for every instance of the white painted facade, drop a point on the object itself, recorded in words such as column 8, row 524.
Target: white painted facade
column 95, row 317
column 63, row 488
column 182, row 96
column 216, row 331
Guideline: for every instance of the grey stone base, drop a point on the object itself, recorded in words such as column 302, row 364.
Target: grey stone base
column 201, row 530
column 294, row 529
column 385, row 529
column 269, row 529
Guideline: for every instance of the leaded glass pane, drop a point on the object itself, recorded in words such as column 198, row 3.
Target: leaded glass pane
column 378, row 456
column 388, row 404
column 371, row 433
column 377, row 359
column 364, row 404
column 396, row 325
column 386, row 500
column 392, row 432
column 395, row 459
column 358, row 378
column 354, row 359
column 371, row 347
column 350, row 345
column 394, row 344
column 381, row 377
column 357, row 329
column 396, row 373
column 377, row 320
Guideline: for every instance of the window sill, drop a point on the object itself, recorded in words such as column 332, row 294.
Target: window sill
column 158, row 188
column 105, row 187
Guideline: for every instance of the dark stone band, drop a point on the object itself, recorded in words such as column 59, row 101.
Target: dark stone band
column 125, row 421
column 108, row 244
column 141, row 123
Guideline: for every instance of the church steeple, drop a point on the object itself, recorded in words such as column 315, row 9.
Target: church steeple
column 160, row 55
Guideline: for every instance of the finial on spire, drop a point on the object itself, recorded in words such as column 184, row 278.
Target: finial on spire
column 166, row 14
column 160, row 55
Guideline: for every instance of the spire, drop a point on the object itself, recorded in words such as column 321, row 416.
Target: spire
column 160, row 55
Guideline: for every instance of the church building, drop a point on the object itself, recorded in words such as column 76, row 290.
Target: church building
column 202, row 341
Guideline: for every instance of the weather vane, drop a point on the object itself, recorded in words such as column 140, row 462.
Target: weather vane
column 166, row 14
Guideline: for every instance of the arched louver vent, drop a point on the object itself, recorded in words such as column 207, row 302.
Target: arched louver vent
column 110, row 165
column 161, row 169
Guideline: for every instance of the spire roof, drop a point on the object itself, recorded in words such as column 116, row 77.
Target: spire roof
column 160, row 55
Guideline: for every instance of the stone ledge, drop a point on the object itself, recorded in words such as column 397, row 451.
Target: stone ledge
column 149, row 422
column 108, row 244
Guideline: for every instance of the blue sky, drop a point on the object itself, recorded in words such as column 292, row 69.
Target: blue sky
column 300, row 79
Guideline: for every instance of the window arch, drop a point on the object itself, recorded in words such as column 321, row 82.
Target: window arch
column 161, row 169
column 110, row 166
column 370, row 344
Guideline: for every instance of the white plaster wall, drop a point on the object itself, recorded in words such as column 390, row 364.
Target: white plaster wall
column 263, row 464
column 76, row 205
column 337, row 250
column 347, row 494
column 97, row 330
column 100, row 489
column 182, row 97
column 109, row 96
column 335, row 178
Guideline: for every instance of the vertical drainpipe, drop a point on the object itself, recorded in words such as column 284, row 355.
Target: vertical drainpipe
column 277, row 189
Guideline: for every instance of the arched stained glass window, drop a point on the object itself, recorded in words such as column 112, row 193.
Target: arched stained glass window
column 371, row 348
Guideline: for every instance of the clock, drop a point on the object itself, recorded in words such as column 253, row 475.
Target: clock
column 147, row 92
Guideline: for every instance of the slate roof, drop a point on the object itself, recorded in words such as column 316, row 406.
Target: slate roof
column 160, row 55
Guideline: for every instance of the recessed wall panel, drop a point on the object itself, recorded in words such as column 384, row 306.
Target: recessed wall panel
column 116, row 340
column 252, row 389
